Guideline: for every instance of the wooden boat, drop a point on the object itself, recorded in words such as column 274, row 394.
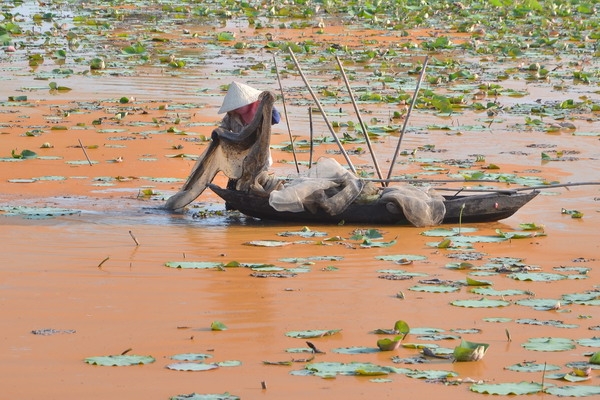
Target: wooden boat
column 486, row 207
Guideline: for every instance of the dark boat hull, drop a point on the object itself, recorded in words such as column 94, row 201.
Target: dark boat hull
column 486, row 207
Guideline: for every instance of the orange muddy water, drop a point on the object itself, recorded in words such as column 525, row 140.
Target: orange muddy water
column 83, row 274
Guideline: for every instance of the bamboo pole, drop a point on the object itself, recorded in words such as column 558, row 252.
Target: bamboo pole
column 337, row 140
column 285, row 113
column 360, row 120
column 412, row 104
column 310, row 128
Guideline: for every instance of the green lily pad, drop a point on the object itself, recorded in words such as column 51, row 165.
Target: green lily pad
column 305, row 232
column 434, row 288
column 36, row 211
column 120, row 360
column 331, row 369
column 267, row 243
column 192, row 366
column 431, row 374
column 505, row 389
column 426, row 331
column 557, row 324
column 493, row 292
column 229, row 363
column 532, row 367
column 312, row 333
column 401, row 257
column 536, row 276
column 591, row 342
column 481, row 303
column 401, row 272
column 193, row 264
column 218, row 326
column 498, row 319
column 355, row 350
column 574, row 391
column 191, row 357
column 470, row 351
column 549, row 344
column 540, row 304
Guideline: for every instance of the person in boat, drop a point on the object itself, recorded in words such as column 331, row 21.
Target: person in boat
column 239, row 146
column 240, row 105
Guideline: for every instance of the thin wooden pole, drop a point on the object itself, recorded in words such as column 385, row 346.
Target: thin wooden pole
column 84, row 152
column 337, row 140
column 412, row 104
column 285, row 113
column 310, row 127
column 360, row 120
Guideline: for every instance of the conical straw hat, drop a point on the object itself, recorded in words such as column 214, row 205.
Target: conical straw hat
column 238, row 95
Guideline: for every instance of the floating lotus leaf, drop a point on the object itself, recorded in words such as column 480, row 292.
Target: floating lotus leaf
column 267, row 243
column 191, row 357
column 305, row 232
column 196, row 396
column 401, row 257
column 312, row 333
column 330, row 369
column 192, row 366
column 229, row 363
column 470, row 351
column 438, row 337
column 557, row 324
column 426, row 331
column 532, row 367
column 468, row 330
column 475, row 282
column 389, row 344
column 493, row 292
column 434, row 288
column 592, row 342
column 120, row 360
column 536, row 276
column 355, row 350
column 481, row 303
column 431, row 374
column 574, row 391
column 419, row 345
column 299, row 350
column 519, row 235
column 549, row 344
column 368, row 243
column 400, row 272
column 218, row 326
column 507, row 388
column 587, row 299
column 36, row 211
column 193, row 264
column 540, row 304
column 499, row 319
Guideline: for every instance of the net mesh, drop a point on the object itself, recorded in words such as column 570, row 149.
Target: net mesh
column 330, row 187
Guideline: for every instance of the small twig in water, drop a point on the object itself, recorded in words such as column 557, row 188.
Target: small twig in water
column 126, row 351
column 84, row 152
column 508, row 335
column 263, row 385
column 103, row 261
column 543, row 377
column 134, row 239
column 314, row 348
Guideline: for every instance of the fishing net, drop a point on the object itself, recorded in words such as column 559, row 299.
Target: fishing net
column 330, row 187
